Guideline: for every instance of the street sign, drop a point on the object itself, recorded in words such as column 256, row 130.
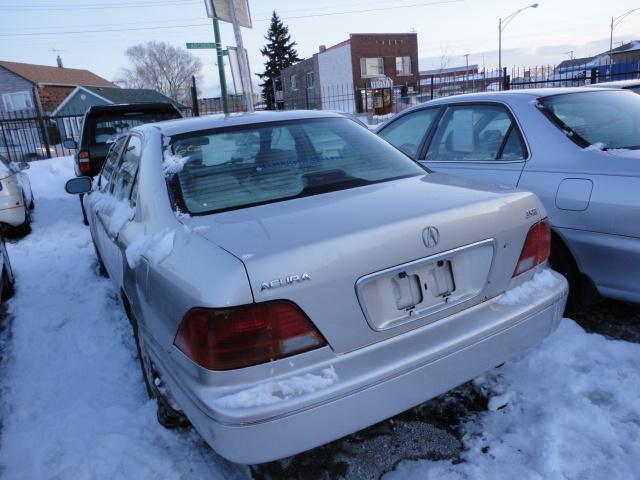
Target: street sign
column 192, row 46
column 220, row 10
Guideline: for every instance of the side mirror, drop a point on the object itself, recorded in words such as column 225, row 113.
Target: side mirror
column 70, row 144
column 78, row 185
column 24, row 166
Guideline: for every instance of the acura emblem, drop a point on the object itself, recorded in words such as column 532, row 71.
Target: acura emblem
column 430, row 237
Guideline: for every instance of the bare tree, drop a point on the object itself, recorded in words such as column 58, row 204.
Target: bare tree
column 162, row 67
column 445, row 57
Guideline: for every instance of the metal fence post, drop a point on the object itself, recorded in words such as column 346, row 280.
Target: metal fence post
column 431, row 88
column 506, row 80
column 44, row 134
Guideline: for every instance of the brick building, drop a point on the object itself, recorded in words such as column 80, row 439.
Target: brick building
column 19, row 81
column 366, row 73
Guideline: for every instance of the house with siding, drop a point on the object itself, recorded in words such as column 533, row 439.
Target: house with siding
column 24, row 84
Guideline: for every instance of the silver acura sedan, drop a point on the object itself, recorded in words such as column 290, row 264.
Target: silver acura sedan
column 578, row 149
column 292, row 278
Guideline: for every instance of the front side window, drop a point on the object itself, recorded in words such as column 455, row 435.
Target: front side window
column 476, row 133
column 403, row 65
column 127, row 169
column 244, row 166
column 607, row 119
column 105, row 182
column 371, row 67
column 14, row 102
column 407, row 132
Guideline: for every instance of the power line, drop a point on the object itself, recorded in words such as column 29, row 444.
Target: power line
column 347, row 12
column 103, row 6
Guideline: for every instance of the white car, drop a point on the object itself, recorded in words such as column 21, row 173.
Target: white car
column 16, row 198
column 292, row 278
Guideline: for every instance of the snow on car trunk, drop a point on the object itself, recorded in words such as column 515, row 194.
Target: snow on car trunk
column 73, row 400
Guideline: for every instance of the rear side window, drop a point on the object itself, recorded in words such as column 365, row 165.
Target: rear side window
column 407, row 132
column 606, row 118
column 476, row 133
column 227, row 169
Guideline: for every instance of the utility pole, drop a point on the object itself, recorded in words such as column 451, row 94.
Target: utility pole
column 466, row 72
column 223, row 79
column 242, row 59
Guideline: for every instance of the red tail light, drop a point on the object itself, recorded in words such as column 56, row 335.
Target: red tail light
column 83, row 156
column 228, row 338
column 83, row 162
column 536, row 247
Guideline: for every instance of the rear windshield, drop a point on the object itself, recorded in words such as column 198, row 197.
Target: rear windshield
column 226, row 169
column 107, row 127
column 603, row 119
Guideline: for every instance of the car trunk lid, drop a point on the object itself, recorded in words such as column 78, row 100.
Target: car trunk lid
column 372, row 262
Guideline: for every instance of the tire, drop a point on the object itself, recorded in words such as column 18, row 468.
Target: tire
column 562, row 262
column 32, row 204
column 25, row 228
column 101, row 268
column 167, row 416
column 7, row 285
column 85, row 220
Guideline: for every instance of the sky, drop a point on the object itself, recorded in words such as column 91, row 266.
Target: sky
column 94, row 34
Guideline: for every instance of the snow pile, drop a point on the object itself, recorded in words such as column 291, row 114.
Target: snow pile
column 541, row 283
column 72, row 400
column 119, row 211
column 154, row 248
column 595, row 147
column 273, row 392
column 172, row 164
column 570, row 409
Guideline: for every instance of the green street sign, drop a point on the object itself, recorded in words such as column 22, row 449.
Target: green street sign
column 192, row 46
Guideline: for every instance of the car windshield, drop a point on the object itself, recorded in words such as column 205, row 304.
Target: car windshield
column 237, row 167
column 604, row 119
column 107, row 127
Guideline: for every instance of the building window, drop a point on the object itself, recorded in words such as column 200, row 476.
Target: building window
column 294, row 82
column 371, row 67
column 403, row 65
column 311, row 80
column 17, row 101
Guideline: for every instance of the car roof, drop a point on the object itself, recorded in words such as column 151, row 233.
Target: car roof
column 193, row 124
column 530, row 93
column 618, row 84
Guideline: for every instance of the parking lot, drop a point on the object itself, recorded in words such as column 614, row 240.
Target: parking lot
column 70, row 379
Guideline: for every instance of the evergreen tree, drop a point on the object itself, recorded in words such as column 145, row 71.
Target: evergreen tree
column 280, row 54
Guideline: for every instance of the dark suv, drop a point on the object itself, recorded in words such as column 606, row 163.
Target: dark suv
column 101, row 126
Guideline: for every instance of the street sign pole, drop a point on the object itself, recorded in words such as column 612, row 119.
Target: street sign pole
column 244, row 69
column 223, row 80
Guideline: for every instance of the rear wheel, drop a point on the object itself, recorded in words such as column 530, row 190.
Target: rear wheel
column 167, row 415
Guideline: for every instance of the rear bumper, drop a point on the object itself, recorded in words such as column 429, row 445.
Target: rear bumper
column 373, row 383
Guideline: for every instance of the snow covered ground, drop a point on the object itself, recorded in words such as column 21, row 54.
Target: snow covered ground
column 73, row 405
